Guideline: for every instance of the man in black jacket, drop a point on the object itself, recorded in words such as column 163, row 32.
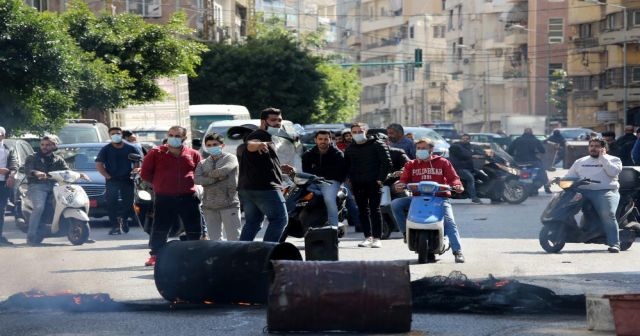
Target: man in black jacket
column 368, row 164
column 625, row 145
column 525, row 149
column 327, row 161
column 461, row 157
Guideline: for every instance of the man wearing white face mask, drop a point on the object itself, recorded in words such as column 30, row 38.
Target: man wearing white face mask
column 113, row 163
column 218, row 176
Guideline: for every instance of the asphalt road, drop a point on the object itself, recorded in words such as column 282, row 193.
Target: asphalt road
column 497, row 239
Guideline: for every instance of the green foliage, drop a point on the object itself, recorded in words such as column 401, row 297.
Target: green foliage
column 560, row 85
column 338, row 101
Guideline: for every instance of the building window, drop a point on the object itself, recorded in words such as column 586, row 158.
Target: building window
column 39, row 5
column 444, row 2
column 553, row 67
column 409, row 73
column 611, row 22
column 636, row 18
column 411, row 32
column 217, row 14
column 450, row 21
column 427, row 70
column 460, row 16
column 145, row 8
column 556, row 30
column 460, row 42
column 635, row 74
column 585, row 30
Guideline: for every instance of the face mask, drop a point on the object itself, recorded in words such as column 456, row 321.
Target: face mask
column 116, row 138
column 359, row 137
column 422, row 154
column 214, row 150
column 274, row 130
column 174, row 142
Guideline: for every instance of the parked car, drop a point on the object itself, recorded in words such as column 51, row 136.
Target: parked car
column 449, row 134
column 576, row 133
column 23, row 149
column 151, row 135
column 83, row 131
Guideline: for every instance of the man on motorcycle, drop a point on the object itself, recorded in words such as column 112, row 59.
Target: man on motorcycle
column 327, row 161
column 462, row 160
column 604, row 196
column 36, row 167
column 429, row 167
column 525, row 149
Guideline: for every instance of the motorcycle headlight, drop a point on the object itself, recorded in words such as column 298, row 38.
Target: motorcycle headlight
column 565, row 184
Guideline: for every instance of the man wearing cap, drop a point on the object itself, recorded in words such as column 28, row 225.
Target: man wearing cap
column 8, row 168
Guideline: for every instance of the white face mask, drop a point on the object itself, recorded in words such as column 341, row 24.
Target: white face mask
column 359, row 138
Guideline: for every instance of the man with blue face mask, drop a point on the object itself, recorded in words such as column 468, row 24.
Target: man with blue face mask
column 218, row 176
column 113, row 163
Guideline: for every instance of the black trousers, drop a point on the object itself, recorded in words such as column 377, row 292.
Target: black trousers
column 167, row 211
column 368, row 196
column 125, row 188
column 5, row 192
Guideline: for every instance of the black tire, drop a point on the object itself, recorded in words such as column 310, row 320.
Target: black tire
column 423, row 248
column 386, row 230
column 342, row 231
column 625, row 245
column 514, row 192
column 550, row 243
column 78, row 231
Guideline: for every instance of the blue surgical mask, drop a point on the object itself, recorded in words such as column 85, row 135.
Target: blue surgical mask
column 174, row 141
column 214, row 150
column 276, row 131
column 116, row 138
column 423, row 154
column 359, row 138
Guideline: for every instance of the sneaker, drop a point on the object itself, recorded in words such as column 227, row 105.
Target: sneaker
column 125, row 226
column 476, row 200
column 614, row 249
column 458, row 257
column 366, row 243
column 4, row 241
column 376, row 243
column 115, row 231
column 151, row 261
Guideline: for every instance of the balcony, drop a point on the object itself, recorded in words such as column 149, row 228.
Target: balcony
column 381, row 23
column 590, row 43
column 378, row 79
column 383, row 46
column 617, row 94
column 516, row 37
column 586, row 95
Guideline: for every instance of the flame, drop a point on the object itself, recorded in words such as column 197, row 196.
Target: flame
column 244, row 304
column 502, row 283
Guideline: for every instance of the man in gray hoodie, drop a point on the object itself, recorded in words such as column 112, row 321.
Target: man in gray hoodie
column 218, row 176
column 604, row 196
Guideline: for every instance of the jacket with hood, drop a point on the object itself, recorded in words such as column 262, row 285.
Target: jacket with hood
column 368, row 161
column 436, row 169
column 330, row 165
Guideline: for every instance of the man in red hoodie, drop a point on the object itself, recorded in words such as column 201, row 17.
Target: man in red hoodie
column 170, row 168
column 429, row 167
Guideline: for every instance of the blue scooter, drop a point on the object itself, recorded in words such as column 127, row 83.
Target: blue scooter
column 425, row 220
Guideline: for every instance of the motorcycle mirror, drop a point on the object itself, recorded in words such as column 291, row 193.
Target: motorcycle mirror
column 134, row 157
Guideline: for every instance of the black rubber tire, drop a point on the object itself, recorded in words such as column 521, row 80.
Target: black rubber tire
column 386, row 230
column 78, row 231
column 625, row 245
column 514, row 192
column 547, row 244
column 423, row 248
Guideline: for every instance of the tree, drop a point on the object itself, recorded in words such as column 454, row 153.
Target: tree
column 273, row 69
column 560, row 85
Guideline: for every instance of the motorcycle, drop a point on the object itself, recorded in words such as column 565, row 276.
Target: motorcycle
column 498, row 178
column 306, row 209
column 559, row 225
column 425, row 221
column 66, row 211
column 142, row 198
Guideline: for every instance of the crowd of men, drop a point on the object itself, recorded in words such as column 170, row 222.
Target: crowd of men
column 254, row 178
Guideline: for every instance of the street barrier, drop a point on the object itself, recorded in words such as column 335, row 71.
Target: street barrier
column 353, row 296
column 203, row 271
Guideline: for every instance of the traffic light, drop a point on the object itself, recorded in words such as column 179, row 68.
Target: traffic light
column 418, row 58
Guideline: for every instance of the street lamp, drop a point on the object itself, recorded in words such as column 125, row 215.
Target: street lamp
column 624, row 56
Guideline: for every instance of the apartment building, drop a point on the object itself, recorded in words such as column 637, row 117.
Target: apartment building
column 604, row 64
column 487, row 52
column 382, row 36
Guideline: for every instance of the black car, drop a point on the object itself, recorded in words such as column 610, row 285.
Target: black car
column 23, row 149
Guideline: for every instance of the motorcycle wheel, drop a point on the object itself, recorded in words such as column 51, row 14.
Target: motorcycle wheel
column 386, row 230
column 547, row 241
column 625, row 245
column 78, row 231
column 514, row 192
column 424, row 256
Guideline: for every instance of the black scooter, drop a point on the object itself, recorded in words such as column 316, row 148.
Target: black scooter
column 498, row 178
column 558, row 219
column 307, row 210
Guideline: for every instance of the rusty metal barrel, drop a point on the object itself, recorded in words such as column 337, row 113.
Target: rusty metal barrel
column 352, row 296
column 218, row 271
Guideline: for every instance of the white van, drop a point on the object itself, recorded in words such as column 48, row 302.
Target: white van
column 203, row 115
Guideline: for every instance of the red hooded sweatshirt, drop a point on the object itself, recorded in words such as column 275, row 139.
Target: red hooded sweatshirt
column 437, row 169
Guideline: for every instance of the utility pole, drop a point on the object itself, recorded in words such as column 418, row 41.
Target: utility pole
column 208, row 24
column 442, row 104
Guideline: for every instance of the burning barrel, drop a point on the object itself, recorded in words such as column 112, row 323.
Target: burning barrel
column 218, row 271
column 354, row 296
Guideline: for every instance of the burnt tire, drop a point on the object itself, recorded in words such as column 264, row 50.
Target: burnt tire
column 78, row 231
column 514, row 192
column 549, row 241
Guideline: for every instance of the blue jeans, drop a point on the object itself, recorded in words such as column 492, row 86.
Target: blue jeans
column 37, row 194
column 400, row 206
column 470, row 182
column 352, row 209
column 605, row 202
column 329, row 194
column 258, row 203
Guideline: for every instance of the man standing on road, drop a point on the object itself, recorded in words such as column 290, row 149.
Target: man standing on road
column 218, row 176
column 171, row 169
column 462, row 160
column 395, row 132
column 429, row 167
column 525, row 149
column 36, row 167
column 327, row 161
column 625, row 145
column 8, row 169
column 260, row 181
column 368, row 164
column 604, row 196
column 113, row 163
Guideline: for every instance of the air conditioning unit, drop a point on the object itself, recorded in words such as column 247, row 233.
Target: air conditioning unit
column 154, row 10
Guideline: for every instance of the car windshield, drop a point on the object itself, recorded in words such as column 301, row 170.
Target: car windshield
column 76, row 134
column 573, row 133
column 80, row 158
